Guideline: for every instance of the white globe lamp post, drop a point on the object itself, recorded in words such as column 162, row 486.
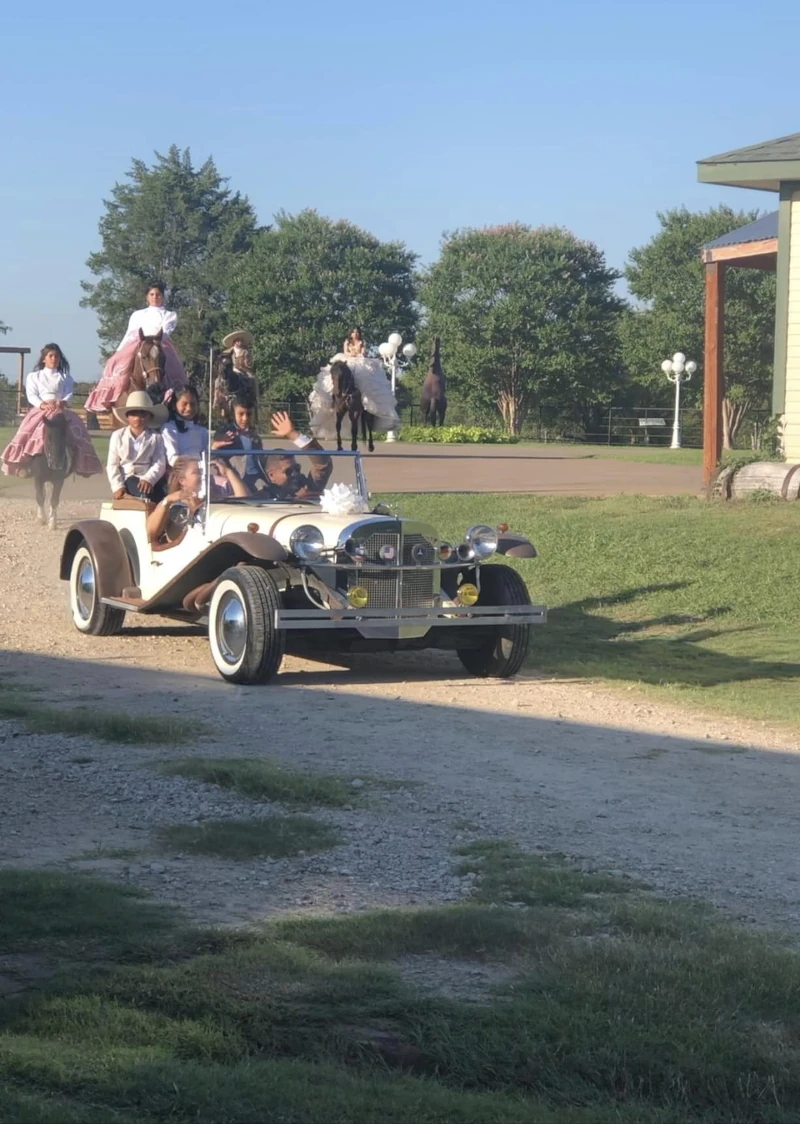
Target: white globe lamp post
column 396, row 361
column 678, row 371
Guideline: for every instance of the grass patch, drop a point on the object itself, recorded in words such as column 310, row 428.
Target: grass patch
column 262, row 779
column 694, row 601
column 270, row 837
column 507, row 874
column 103, row 725
column 621, row 1007
column 101, row 852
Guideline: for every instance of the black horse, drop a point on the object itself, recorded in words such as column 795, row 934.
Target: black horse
column 230, row 385
column 434, row 390
column 347, row 400
column 52, row 466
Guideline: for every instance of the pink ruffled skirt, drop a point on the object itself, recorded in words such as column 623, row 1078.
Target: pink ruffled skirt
column 28, row 442
column 117, row 375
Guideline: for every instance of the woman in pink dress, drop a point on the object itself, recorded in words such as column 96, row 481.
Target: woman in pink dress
column 151, row 320
column 48, row 388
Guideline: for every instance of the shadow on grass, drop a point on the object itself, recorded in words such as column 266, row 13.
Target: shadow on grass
column 580, row 639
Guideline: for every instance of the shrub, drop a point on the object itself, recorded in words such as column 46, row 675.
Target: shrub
column 456, row 435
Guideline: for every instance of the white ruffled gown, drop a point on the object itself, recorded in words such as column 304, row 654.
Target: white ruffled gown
column 376, row 394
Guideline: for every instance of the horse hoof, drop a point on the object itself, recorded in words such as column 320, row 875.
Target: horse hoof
column 52, row 523
column 41, row 515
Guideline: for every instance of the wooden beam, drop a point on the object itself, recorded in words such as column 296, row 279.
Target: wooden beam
column 713, row 370
column 738, row 251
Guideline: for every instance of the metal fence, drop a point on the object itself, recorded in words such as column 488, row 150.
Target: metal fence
column 621, row 425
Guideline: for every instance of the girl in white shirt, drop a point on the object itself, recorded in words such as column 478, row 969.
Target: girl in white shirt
column 48, row 388
column 183, row 437
column 114, row 385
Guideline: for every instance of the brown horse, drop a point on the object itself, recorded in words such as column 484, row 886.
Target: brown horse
column 52, row 466
column 147, row 372
column 434, row 389
column 347, row 400
column 230, row 385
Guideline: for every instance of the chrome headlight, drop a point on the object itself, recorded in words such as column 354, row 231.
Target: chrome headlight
column 307, row 543
column 483, row 540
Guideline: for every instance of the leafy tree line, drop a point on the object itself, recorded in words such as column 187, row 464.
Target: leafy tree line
column 531, row 320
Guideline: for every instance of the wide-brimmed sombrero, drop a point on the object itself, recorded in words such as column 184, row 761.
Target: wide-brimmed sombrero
column 140, row 400
column 245, row 336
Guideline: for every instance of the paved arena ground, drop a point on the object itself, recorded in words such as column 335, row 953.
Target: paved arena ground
column 566, row 470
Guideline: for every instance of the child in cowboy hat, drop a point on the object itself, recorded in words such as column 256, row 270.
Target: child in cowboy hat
column 239, row 346
column 137, row 457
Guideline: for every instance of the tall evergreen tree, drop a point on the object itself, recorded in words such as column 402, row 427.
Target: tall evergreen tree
column 179, row 224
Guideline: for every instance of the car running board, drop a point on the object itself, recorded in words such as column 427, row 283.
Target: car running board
column 411, row 618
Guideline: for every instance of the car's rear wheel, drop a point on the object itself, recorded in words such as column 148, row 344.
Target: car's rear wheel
column 503, row 654
column 245, row 644
column 89, row 614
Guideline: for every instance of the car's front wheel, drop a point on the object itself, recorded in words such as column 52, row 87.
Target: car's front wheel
column 245, row 644
column 89, row 614
column 503, row 654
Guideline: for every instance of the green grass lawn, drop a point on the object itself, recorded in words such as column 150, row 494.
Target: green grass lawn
column 697, row 601
column 585, row 1001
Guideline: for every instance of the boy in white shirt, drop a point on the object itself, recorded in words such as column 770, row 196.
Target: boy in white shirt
column 137, row 457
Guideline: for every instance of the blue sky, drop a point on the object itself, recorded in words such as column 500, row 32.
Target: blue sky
column 408, row 119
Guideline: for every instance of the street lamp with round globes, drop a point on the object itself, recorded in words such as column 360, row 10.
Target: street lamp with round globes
column 678, row 371
column 394, row 364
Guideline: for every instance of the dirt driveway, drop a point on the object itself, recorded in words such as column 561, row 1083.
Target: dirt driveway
column 554, row 470
column 691, row 805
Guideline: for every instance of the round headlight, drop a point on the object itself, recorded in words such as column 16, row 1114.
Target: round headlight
column 483, row 540
column 445, row 551
column 307, row 543
column 358, row 596
column 467, row 594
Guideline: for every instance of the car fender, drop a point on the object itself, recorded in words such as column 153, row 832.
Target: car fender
column 515, row 545
column 112, row 568
column 236, row 549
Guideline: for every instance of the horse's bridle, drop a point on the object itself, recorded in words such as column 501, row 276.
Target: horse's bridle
column 148, row 371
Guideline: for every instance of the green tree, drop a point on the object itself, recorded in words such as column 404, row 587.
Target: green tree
column 528, row 320
column 179, row 224
column 306, row 283
column 667, row 277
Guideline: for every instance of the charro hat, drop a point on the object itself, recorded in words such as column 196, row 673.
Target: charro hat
column 245, row 336
column 140, row 400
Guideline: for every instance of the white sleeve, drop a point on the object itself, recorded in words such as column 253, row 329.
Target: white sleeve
column 159, row 465
column 116, row 477
column 170, row 322
column 169, row 435
column 69, row 386
column 32, row 388
column 130, row 331
column 301, row 441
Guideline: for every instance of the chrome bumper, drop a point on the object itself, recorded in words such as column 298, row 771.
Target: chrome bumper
column 442, row 616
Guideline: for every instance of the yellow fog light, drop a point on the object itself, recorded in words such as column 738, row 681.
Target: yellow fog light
column 358, row 596
column 467, row 594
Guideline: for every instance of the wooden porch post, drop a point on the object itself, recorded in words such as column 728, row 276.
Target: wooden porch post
column 714, row 380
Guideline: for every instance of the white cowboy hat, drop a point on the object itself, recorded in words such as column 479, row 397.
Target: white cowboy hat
column 245, row 336
column 140, row 400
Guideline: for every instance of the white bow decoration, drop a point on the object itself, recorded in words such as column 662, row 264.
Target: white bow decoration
column 342, row 499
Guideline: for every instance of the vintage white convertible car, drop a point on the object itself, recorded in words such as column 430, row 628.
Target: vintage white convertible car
column 307, row 566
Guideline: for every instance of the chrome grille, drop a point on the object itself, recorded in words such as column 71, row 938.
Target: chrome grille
column 387, row 586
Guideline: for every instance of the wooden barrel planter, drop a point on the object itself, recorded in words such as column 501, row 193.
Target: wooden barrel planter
column 775, row 478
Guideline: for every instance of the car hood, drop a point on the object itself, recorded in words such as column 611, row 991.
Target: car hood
column 280, row 521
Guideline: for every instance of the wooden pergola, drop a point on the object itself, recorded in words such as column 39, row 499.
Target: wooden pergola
column 21, row 352
column 754, row 246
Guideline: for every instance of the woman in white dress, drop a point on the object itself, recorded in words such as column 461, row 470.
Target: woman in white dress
column 48, row 388
column 371, row 380
column 151, row 320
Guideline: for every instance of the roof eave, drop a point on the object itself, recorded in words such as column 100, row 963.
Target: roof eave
column 767, row 175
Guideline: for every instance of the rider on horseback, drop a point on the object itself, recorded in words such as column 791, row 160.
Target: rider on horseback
column 48, row 388
column 150, row 321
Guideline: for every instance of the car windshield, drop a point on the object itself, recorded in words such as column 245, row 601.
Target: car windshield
column 281, row 475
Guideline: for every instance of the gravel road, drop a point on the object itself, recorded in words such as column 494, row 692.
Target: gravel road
column 691, row 805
